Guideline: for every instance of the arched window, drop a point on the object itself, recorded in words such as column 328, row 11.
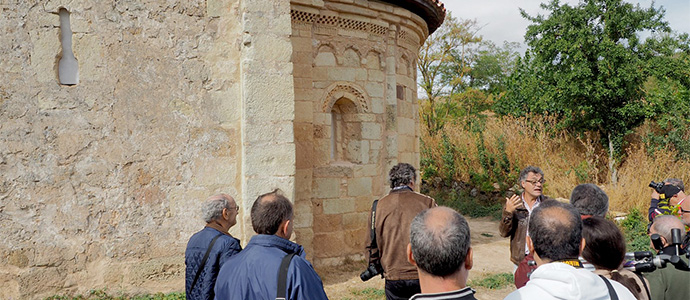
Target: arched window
column 346, row 132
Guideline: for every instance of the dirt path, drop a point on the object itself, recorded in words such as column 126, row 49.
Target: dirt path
column 491, row 256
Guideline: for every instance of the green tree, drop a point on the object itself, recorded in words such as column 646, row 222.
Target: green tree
column 442, row 63
column 587, row 64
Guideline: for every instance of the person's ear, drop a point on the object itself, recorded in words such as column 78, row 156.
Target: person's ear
column 225, row 214
column 285, row 229
column 582, row 245
column 410, row 257
column 468, row 259
column 530, row 245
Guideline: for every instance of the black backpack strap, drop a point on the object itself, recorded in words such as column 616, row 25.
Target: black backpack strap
column 282, row 276
column 203, row 261
column 612, row 292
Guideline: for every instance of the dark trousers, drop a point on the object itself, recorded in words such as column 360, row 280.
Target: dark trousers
column 402, row 289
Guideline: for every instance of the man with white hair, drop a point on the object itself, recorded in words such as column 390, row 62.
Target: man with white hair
column 208, row 249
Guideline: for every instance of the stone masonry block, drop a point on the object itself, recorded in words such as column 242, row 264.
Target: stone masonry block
column 325, row 59
column 338, row 206
column 355, row 220
column 328, row 223
column 274, row 159
column 342, row 74
column 376, row 75
column 371, row 131
column 304, row 111
column 361, row 75
column 406, row 125
column 45, row 47
column 329, row 244
column 303, row 215
column 374, row 89
column 326, row 187
column 377, row 105
column 359, row 186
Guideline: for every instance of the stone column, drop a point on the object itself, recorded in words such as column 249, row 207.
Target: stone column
column 268, row 103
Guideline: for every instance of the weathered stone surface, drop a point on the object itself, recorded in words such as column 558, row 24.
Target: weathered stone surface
column 326, row 187
column 338, row 206
column 359, row 186
column 101, row 182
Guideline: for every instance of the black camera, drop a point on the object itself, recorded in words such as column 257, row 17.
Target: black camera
column 371, row 271
column 656, row 186
column 645, row 261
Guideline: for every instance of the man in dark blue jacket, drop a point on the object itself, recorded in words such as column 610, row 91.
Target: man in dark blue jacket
column 253, row 273
column 220, row 213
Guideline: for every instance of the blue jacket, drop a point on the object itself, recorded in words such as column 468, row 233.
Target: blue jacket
column 253, row 273
column 225, row 247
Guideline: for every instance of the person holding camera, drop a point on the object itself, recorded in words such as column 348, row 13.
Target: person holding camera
column 668, row 283
column 666, row 195
column 393, row 215
column 440, row 249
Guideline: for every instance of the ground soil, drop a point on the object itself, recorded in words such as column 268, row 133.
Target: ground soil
column 491, row 256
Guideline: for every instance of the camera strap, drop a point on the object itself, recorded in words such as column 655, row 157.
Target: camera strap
column 373, row 224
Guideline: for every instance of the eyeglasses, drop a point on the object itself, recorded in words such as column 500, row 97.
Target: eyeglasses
column 236, row 208
column 533, row 182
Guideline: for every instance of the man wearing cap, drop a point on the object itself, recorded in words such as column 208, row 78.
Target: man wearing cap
column 663, row 202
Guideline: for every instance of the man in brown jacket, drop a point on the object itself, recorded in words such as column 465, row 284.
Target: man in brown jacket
column 516, row 211
column 394, row 214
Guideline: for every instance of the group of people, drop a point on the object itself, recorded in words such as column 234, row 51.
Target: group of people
column 218, row 268
column 560, row 250
column 584, row 251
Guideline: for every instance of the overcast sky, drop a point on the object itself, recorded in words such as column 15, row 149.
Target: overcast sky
column 501, row 19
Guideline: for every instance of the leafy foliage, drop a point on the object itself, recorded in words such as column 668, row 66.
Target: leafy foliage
column 634, row 228
column 587, row 65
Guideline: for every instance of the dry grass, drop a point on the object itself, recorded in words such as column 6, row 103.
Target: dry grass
column 567, row 160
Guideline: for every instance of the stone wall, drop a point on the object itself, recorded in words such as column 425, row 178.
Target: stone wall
column 100, row 182
column 355, row 116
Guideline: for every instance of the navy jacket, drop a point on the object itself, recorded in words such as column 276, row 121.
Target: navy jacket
column 253, row 273
column 225, row 247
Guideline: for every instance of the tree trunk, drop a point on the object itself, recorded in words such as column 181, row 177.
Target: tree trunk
column 612, row 163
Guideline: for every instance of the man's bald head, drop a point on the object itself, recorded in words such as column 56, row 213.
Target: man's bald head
column 556, row 231
column 663, row 225
column 440, row 241
column 269, row 211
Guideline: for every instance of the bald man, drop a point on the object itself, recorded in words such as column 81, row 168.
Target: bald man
column 669, row 282
column 208, row 249
column 440, row 250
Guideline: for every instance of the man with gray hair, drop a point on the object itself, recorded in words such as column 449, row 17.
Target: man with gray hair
column 590, row 200
column 394, row 213
column 515, row 217
column 208, row 249
column 668, row 282
column 440, row 249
